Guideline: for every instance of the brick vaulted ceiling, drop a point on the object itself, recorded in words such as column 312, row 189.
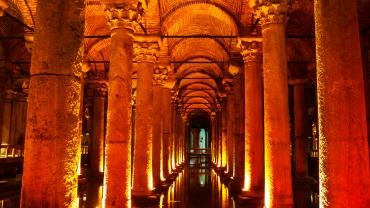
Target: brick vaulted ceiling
column 199, row 84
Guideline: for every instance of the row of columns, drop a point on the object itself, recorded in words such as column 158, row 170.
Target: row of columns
column 53, row 112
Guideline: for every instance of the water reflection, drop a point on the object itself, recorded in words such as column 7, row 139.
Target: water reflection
column 198, row 186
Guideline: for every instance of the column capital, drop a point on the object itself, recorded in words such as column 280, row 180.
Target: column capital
column 87, row 112
column 271, row 13
column 146, row 51
column 160, row 77
column 213, row 115
column 229, row 86
column 100, row 87
column 174, row 95
column 28, row 36
column 251, row 50
column 123, row 16
column 3, row 5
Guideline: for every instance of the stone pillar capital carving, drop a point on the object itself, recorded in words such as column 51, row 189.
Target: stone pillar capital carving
column 271, row 12
column 100, row 88
column 124, row 15
column 251, row 50
column 28, row 36
column 160, row 77
column 146, row 51
column 174, row 95
column 87, row 113
column 229, row 86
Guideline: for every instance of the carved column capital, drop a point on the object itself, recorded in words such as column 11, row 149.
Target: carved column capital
column 146, row 51
column 251, row 50
column 160, row 77
column 272, row 12
column 28, row 36
column 229, row 86
column 124, row 15
column 100, row 88
column 174, row 95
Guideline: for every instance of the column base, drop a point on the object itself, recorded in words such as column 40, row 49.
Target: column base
column 145, row 200
column 253, row 193
column 304, row 180
column 256, row 201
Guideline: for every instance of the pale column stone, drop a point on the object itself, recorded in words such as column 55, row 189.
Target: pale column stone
column 278, row 178
column 53, row 143
column 254, row 164
column 159, row 80
column 122, row 20
column 97, row 142
column 343, row 152
column 146, row 49
column 228, row 85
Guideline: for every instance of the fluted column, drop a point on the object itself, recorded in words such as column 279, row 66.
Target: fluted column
column 167, row 123
column 146, row 50
column 237, row 70
column 97, row 141
column 278, row 178
column 343, row 156
column 228, row 85
column 159, row 81
column 122, row 21
column 254, row 164
column 53, row 142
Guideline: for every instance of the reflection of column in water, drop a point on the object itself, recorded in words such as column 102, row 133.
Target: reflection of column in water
column 94, row 195
column 225, row 196
column 213, row 188
column 302, row 196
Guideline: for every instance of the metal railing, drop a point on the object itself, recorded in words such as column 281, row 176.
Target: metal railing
column 199, row 151
column 11, row 151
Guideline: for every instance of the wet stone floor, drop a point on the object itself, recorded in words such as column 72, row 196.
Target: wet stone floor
column 197, row 186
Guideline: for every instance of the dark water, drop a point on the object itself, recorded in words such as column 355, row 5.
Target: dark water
column 198, row 186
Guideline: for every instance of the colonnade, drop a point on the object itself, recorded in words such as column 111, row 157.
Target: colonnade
column 250, row 137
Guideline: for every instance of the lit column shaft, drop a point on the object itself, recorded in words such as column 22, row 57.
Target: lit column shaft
column 117, row 171
column 224, row 132
column 343, row 151
column 301, row 165
column 97, row 141
column 237, row 70
column 52, row 141
column 158, row 146
column 230, row 122
column 146, row 52
column 278, row 177
column 254, row 165
column 166, row 132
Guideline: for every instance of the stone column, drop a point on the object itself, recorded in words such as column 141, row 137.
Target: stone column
column 183, row 137
column 278, row 177
column 218, row 135
column 224, row 131
column 159, row 81
column 213, row 137
column 173, row 130
column 3, row 79
column 254, row 164
column 146, row 49
column 53, row 142
column 97, row 141
column 237, row 70
column 122, row 21
column 21, row 103
column 300, row 129
column 365, row 45
column 167, row 123
column 13, row 117
column 344, row 156
column 228, row 85
column 195, row 132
